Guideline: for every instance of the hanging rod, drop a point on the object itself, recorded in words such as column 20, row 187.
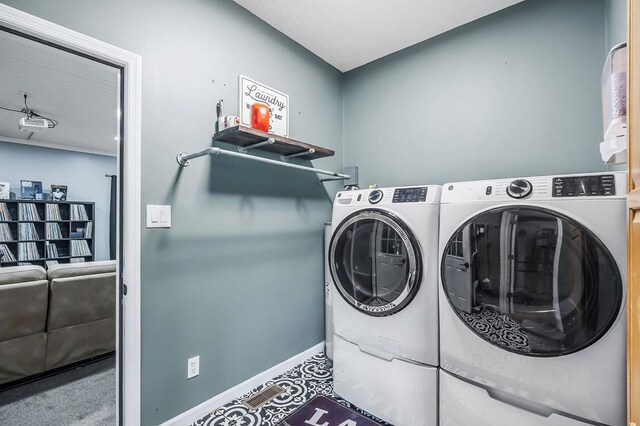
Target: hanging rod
column 184, row 160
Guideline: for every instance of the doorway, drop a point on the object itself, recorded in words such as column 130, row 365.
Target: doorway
column 75, row 227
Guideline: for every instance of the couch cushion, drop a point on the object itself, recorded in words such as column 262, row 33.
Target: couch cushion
column 79, row 300
column 68, row 270
column 23, row 309
column 22, row 274
column 76, row 343
column 22, row 357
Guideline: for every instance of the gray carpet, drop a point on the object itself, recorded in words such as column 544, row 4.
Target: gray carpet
column 84, row 396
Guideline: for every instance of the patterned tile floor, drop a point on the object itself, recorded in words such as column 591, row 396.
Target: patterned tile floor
column 302, row 383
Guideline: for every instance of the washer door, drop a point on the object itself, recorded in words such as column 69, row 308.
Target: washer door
column 375, row 262
column 531, row 281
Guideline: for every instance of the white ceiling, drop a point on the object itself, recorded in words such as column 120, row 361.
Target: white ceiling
column 351, row 33
column 80, row 93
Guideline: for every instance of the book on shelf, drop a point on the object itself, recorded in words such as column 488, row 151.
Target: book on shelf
column 28, row 211
column 28, row 251
column 5, row 233
column 80, row 248
column 27, row 231
column 77, row 260
column 5, row 215
column 79, row 212
column 6, row 255
column 52, row 249
column 53, row 231
column 53, row 212
column 5, row 190
column 31, row 190
column 88, row 232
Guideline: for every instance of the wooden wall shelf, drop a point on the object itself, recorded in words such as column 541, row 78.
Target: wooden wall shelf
column 243, row 136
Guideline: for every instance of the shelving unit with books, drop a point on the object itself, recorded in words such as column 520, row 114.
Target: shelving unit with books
column 45, row 233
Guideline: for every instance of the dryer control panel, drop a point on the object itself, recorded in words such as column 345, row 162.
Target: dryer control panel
column 587, row 186
column 410, row 195
column 581, row 186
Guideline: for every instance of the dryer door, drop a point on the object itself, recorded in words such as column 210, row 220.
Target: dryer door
column 531, row 281
column 375, row 262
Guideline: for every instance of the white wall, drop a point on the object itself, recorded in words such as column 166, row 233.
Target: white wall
column 84, row 174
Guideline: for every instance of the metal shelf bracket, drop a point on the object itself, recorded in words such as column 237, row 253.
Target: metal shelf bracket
column 309, row 151
column 184, row 160
column 245, row 149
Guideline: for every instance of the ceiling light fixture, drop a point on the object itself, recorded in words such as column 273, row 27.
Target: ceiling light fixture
column 32, row 121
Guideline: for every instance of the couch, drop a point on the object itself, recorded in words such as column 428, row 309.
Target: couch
column 56, row 318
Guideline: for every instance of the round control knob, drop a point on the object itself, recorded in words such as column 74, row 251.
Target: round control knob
column 519, row 188
column 375, row 196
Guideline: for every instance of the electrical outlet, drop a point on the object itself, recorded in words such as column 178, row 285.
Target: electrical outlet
column 193, row 367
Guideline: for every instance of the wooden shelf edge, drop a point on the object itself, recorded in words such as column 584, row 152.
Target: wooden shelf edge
column 243, row 136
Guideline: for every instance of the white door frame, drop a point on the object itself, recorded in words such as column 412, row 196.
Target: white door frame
column 131, row 63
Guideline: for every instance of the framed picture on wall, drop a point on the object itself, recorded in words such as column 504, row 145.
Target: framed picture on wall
column 58, row 192
column 5, row 190
column 31, row 190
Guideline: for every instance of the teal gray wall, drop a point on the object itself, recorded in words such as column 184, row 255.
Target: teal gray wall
column 238, row 279
column 82, row 173
column 616, row 22
column 514, row 94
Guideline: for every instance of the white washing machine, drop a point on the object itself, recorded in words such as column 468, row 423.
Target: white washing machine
column 532, row 313
column 328, row 298
column 383, row 260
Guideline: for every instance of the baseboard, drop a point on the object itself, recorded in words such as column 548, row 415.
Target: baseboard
column 237, row 391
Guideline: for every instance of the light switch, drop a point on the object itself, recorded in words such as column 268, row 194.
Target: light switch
column 158, row 216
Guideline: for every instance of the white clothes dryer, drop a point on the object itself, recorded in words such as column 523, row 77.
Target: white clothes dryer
column 532, row 300
column 383, row 261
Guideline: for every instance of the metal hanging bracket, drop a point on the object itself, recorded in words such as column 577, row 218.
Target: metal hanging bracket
column 184, row 160
column 309, row 151
column 322, row 180
column 245, row 149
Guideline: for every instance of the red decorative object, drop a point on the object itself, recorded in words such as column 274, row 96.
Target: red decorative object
column 260, row 115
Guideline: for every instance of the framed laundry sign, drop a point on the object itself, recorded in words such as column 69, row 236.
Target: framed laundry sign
column 252, row 92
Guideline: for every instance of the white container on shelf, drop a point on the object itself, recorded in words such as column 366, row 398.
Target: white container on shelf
column 614, row 106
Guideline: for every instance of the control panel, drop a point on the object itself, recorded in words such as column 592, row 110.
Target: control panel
column 410, row 195
column 582, row 186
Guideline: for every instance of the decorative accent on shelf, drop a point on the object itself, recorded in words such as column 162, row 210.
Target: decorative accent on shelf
column 59, row 192
column 260, row 114
column 31, row 190
column 251, row 92
column 5, row 190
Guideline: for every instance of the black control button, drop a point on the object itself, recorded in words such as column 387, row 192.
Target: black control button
column 489, row 190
